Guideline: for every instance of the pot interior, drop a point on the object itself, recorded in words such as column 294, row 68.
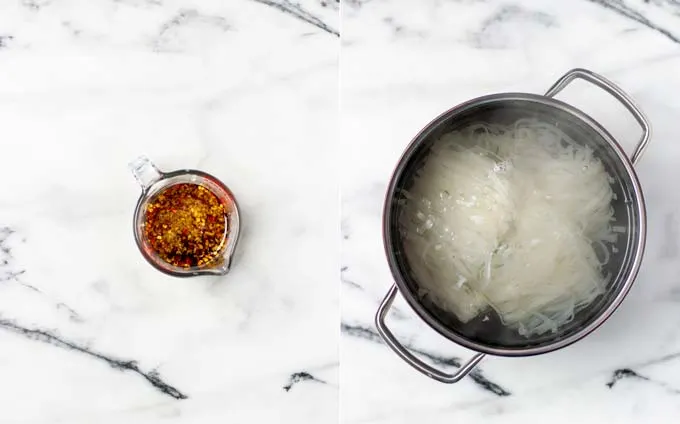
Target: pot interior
column 486, row 333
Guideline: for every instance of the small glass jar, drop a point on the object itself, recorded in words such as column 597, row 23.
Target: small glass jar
column 155, row 186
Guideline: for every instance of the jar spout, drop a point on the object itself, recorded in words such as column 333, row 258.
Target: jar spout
column 224, row 267
column 220, row 268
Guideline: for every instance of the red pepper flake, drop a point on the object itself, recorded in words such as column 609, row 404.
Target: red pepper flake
column 186, row 225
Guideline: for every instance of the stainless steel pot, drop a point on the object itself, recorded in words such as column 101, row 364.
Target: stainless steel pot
column 490, row 336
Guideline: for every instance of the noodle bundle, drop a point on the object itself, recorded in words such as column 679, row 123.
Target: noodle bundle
column 514, row 218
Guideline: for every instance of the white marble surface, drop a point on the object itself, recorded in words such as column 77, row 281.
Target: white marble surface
column 245, row 90
column 402, row 64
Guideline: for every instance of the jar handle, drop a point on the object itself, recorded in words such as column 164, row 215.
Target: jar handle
column 617, row 93
column 407, row 356
column 145, row 172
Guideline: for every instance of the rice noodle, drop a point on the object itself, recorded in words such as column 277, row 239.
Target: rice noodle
column 510, row 217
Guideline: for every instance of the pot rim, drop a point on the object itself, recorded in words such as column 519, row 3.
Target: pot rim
column 639, row 241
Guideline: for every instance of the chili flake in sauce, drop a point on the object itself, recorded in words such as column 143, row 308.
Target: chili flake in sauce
column 186, row 225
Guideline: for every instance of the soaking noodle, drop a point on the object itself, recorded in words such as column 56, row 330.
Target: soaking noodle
column 515, row 218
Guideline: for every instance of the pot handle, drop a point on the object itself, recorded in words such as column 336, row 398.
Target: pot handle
column 615, row 91
column 407, row 356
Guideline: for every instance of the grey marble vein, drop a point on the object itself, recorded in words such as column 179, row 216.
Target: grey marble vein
column 401, row 30
column 73, row 314
column 185, row 17
column 7, row 270
column 153, row 377
column 627, row 373
column 659, row 360
column 35, row 5
column 355, row 3
column 672, row 6
column 476, row 375
column 487, row 35
column 631, row 373
column 346, row 280
column 333, row 4
column 297, row 11
column 624, row 373
column 8, row 273
column 5, row 40
column 624, row 10
column 301, row 376
column 360, row 332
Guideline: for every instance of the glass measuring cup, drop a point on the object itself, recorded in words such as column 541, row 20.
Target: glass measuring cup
column 155, row 183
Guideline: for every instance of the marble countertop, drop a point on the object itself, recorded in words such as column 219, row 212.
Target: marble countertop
column 245, row 90
column 401, row 66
